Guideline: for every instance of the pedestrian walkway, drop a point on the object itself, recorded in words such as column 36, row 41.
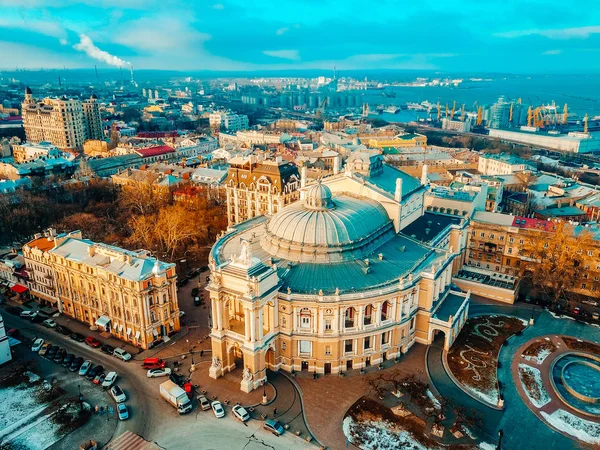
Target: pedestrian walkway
column 327, row 398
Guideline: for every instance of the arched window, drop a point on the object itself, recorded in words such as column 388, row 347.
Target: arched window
column 305, row 318
column 349, row 317
column 386, row 309
column 368, row 317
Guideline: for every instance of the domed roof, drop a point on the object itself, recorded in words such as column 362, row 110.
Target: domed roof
column 325, row 229
column 318, row 197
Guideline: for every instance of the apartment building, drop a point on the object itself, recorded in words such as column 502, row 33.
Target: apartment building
column 126, row 293
column 256, row 187
column 502, row 164
column 63, row 122
column 228, row 120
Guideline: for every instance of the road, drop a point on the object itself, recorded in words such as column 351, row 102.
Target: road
column 153, row 418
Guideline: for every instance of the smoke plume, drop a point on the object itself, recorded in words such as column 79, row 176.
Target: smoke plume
column 86, row 45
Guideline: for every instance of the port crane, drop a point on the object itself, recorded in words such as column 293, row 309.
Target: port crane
column 453, row 110
column 585, row 123
column 321, row 109
column 439, row 113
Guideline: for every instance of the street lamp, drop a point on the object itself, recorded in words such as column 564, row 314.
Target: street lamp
column 193, row 365
column 532, row 320
column 264, row 385
column 80, row 396
column 500, row 434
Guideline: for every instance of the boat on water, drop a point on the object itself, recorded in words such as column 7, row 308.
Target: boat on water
column 415, row 106
column 391, row 109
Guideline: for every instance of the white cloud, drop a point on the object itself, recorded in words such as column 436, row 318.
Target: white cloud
column 45, row 27
column 218, row 6
column 63, row 41
column 154, row 34
column 558, row 33
column 87, row 46
column 552, row 52
column 282, row 31
column 292, row 55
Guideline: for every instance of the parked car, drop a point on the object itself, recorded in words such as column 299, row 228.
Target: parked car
column 96, row 370
column 63, row 330
column 76, row 364
column 197, row 301
column 13, row 333
column 217, row 408
column 39, row 318
column 77, row 337
column 59, row 355
column 181, row 313
column 590, row 302
column 98, row 379
column 37, row 345
column 51, row 352
column 14, row 310
column 122, row 411
column 108, row 349
column 273, row 426
column 595, row 315
column 28, row 314
column 153, row 363
column 110, row 379
column 49, row 323
column 240, row 413
column 576, row 310
column 68, row 359
column 121, row 354
column 118, row 394
column 203, row 402
column 92, row 342
column 85, row 367
column 155, row 373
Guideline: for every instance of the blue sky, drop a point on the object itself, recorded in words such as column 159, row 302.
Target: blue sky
column 451, row 35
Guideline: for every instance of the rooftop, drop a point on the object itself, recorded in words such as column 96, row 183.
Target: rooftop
column 134, row 266
column 427, row 227
column 449, row 306
column 386, row 180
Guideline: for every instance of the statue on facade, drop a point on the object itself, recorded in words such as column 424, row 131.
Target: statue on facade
column 247, row 375
column 245, row 256
column 337, row 291
column 289, row 290
column 216, row 362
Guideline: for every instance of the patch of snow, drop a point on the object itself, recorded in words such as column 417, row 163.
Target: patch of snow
column 492, row 396
column 582, row 429
column 375, row 435
column 33, row 377
column 486, row 446
column 435, row 401
column 17, row 402
column 540, row 357
column 561, row 317
column 39, row 437
column 540, row 391
column 524, row 322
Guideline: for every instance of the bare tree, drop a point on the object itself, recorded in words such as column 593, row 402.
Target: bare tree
column 556, row 261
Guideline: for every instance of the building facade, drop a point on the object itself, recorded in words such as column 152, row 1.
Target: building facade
column 502, row 164
column 255, row 187
column 126, row 293
column 65, row 123
column 329, row 283
column 229, row 121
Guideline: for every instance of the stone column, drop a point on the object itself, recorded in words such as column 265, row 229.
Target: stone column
column 260, row 324
column 321, row 322
column 360, row 318
column 247, row 324
column 294, row 319
column 335, row 326
column 275, row 314
column 213, row 312
column 252, row 325
column 377, row 312
column 316, row 324
column 219, row 314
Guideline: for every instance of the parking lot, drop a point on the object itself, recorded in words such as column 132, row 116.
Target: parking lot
column 150, row 415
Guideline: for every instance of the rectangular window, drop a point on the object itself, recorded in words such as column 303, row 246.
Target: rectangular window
column 348, row 346
column 283, row 346
column 305, row 347
column 327, row 324
column 305, row 321
column 385, row 338
column 328, row 349
column 367, row 342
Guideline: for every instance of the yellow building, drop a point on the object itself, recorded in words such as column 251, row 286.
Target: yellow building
column 126, row 293
column 65, row 123
column 330, row 283
column 408, row 140
column 99, row 147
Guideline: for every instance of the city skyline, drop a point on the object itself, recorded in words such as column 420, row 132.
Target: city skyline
column 459, row 35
